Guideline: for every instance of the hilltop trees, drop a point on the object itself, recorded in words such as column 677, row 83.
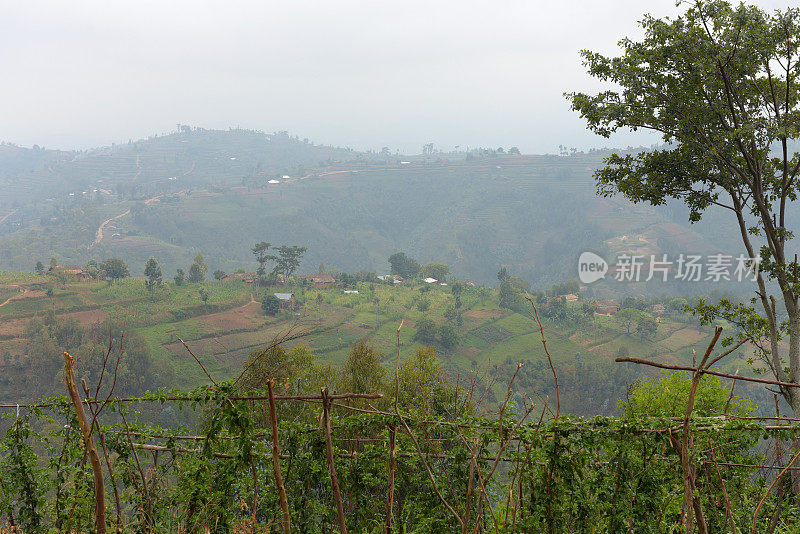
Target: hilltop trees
column 180, row 277
column 403, row 265
column 39, row 267
column 260, row 252
column 720, row 85
column 115, row 269
column 502, row 274
column 288, row 259
column 439, row 271
column 152, row 270
column 509, row 294
column 198, row 270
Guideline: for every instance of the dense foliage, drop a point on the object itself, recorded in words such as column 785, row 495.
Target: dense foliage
column 452, row 468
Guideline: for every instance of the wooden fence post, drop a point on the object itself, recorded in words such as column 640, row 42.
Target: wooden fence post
column 337, row 495
column 390, row 485
column 94, row 458
column 276, row 455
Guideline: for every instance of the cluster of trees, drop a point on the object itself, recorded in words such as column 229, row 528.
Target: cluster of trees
column 94, row 347
column 111, row 269
column 421, row 384
column 639, row 321
column 492, row 152
column 197, row 272
column 403, row 265
column 407, row 267
column 287, row 259
column 429, row 333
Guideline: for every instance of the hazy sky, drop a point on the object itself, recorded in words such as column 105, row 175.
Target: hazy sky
column 364, row 74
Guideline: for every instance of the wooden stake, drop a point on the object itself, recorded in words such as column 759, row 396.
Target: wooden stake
column 390, row 491
column 94, row 458
column 276, row 454
column 337, row 494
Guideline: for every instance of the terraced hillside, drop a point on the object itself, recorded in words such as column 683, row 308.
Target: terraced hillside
column 223, row 331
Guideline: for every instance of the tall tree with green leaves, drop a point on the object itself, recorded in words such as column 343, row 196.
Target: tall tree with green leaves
column 439, row 271
column 288, row 259
column 720, row 85
column 152, row 270
column 502, row 274
column 271, row 304
column 363, row 371
column 404, row 265
column 198, row 270
column 260, row 252
column 115, row 269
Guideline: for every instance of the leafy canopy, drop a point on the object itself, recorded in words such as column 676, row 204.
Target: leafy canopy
column 719, row 84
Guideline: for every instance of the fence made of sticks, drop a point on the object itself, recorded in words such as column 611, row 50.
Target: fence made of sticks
column 259, row 461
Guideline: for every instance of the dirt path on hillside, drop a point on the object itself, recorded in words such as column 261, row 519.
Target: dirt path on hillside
column 13, row 297
column 6, row 216
column 99, row 234
column 139, row 169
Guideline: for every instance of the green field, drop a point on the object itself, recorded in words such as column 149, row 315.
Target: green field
column 223, row 332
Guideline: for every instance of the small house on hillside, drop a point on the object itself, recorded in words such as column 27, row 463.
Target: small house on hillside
column 247, row 278
column 658, row 309
column 607, row 307
column 430, row 280
column 286, row 299
column 77, row 270
column 569, row 298
column 319, row 280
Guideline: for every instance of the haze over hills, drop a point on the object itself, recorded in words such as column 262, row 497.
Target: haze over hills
column 209, row 191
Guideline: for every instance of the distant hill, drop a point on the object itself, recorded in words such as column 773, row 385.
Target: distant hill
column 195, row 155
column 210, row 191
